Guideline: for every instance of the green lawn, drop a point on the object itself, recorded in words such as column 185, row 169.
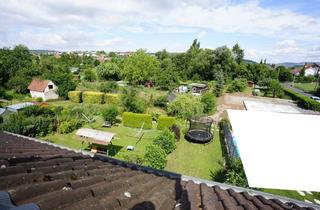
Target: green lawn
column 294, row 194
column 197, row 160
column 306, row 87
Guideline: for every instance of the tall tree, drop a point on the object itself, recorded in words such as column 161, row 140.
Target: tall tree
column 238, row 53
column 140, row 67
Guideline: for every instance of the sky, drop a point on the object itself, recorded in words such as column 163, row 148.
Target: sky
column 280, row 31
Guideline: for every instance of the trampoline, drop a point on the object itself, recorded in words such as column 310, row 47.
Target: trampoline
column 199, row 130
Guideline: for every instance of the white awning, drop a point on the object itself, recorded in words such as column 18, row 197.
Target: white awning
column 278, row 150
column 95, row 136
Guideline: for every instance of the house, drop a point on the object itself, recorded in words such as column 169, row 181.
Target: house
column 311, row 69
column 296, row 71
column 41, row 175
column 18, row 107
column 44, row 89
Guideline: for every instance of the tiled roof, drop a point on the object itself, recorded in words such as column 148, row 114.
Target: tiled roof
column 56, row 178
column 38, row 85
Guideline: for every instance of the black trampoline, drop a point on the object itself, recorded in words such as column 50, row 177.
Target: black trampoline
column 199, row 130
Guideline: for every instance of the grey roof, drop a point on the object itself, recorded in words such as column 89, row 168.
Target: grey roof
column 20, row 106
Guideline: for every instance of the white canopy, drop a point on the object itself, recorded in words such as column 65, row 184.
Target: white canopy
column 278, row 150
column 95, row 136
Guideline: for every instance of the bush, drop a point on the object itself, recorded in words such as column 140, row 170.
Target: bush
column 155, row 157
column 235, row 174
column 69, row 126
column 185, row 106
column 39, row 99
column 93, row 97
column 37, row 111
column 161, row 101
column 303, row 101
column 165, row 122
column 137, row 120
column 110, row 98
column 75, row 96
column 166, row 140
column 109, row 87
column 238, row 85
column 89, row 75
column 134, row 158
column 208, row 100
column 110, row 113
column 131, row 102
column 1, row 119
column 176, row 130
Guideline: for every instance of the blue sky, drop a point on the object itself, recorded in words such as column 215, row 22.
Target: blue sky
column 279, row 31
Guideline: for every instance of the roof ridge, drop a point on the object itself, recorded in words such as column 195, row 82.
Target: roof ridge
column 173, row 175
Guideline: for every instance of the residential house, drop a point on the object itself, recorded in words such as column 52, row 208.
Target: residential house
column 44, row 89
column 311, row 69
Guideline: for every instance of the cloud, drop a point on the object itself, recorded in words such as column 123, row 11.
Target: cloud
column 68, row 24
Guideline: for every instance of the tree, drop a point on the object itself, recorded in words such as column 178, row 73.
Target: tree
column 166, row 140
column 238, row 53
column 131, row 102
column 185, row 106
column 110, row 113
column 273, row 87
column 89, row 75
column 208, row 100
column 155, row 157
column 140, row 67
column 166, row 78
column 243, row 72
column 108, row 71
column 284, row 74
column 237, row 85
column 64, row 80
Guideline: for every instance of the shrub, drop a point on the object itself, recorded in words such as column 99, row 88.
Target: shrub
column 134, row 158
column 93, row 97
column 166, row 140
column 109, row 87
column 176, row 130
column 208, row 100
column 303, row 101
column 165, row 122
column 184, row 106
column 131, row 102
column 110, row 113
column 75, row 96
column 39, row 99
column 111, row 98
column 235, row 174
column 161, row 101
column 1, row 119
column 89, row 75
column 237, row 85
column 155, row 157
column 69, row 126
column 137, row 120
column 37, row 111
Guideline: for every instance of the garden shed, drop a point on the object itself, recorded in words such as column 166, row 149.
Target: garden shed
column 93, row 136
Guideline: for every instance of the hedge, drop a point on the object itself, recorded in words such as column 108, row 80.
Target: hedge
column 111, row 98
column 75, row 96
column 165, row 122
column 137, row 120
column 93, row 97
column 303, row 101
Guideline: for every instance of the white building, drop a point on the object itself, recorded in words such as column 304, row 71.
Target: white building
column 44, row 89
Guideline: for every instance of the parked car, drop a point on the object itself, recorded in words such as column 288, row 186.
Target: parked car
column 315, row 98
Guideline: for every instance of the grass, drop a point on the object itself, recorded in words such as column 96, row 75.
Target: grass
column 198, row 160
column 306, row 87
column 293, row 194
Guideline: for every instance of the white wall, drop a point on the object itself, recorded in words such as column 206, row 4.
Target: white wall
column 47, row 94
